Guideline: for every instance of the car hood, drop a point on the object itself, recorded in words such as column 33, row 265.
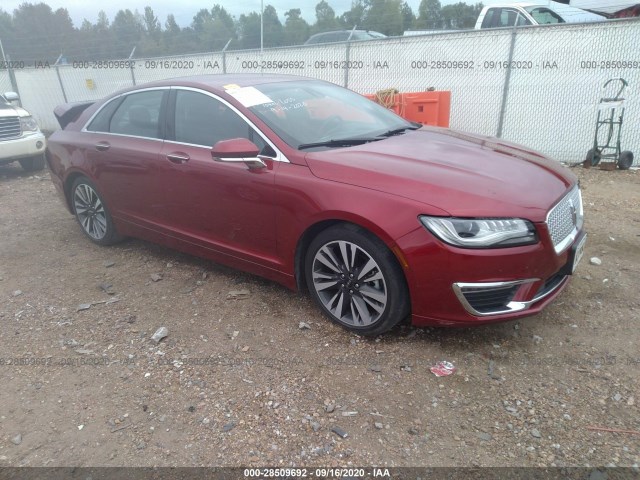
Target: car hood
column 465, row 175
column 7, row 110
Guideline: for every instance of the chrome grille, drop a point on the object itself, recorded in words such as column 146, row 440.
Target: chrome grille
column 565, row 219
column 10, row 127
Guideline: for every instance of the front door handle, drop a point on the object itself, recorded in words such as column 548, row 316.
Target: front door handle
column 102, row 146
column 178, row 157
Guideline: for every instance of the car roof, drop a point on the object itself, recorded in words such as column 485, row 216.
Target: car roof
column 322, row 34
column 557, row 7
column 342, row 31
column 551, row 5
column 520, row 4
column 217, row 82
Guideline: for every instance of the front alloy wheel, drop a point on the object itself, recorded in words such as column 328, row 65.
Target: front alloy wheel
column 91, row 213
column 356, row 280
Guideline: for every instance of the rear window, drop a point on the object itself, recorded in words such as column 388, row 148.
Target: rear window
column 136, row 114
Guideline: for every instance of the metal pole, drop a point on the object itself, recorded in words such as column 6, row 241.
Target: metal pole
column 133, row 76
column 346, row 65
column 507, row 80
column 347, row 55
column 12, row 79
column 224, row 56
column 261, row 26
column 64, row 94
column 351, row 34
column 2, row 50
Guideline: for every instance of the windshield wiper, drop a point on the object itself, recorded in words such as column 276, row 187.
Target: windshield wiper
column 340, row 142
column 396, row 131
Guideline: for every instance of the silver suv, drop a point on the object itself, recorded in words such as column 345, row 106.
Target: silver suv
column 20, row 137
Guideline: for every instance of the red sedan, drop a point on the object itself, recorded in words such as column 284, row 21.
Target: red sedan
column 315, row 187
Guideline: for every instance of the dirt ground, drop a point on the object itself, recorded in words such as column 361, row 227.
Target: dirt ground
column 237, row 382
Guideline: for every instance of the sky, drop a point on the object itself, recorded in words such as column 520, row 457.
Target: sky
column 184, row 10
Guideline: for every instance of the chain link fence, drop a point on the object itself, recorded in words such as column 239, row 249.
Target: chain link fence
column 538, row 86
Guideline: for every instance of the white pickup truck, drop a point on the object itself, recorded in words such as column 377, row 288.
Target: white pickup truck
column 533, row 13
column 20, row 137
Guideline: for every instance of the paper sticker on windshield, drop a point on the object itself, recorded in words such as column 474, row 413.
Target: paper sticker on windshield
column 230, row 86
column 249, row 96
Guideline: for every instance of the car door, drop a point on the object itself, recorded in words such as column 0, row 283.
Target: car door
column 226, row 207
column 123, row 142
column 512, row 16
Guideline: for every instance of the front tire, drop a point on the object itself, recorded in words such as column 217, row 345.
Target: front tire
column 32, row 164
column 92, row 213
column 356, row 280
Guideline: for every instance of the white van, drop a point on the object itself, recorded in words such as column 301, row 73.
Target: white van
column 538, row 13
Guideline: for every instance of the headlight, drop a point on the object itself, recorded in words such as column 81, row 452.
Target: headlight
column 28, row 124
column 481, row 232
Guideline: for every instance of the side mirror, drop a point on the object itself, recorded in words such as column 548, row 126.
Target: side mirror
column 11, row 96
column 237, row 150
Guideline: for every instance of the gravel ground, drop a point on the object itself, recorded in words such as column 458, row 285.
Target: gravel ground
column 239, row 381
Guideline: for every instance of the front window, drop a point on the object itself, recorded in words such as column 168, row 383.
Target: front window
column 310, row 112
column 203, row 120
column 509, row 18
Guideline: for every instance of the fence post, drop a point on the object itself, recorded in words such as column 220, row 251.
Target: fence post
column 64, row 94
column 224, row 56
column 14, row 83
column 507, row 80
column 133, row 76
column 346, row 64
column 12, row 78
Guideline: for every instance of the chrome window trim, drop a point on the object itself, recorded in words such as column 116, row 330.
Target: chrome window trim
column 280, row 157
column 95, row 114
column 128, row 136
column 511, row 307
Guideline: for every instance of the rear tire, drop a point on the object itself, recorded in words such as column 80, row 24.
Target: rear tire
column 625, row 160
column 32, row 164
column 92, row 213
column 356, row 280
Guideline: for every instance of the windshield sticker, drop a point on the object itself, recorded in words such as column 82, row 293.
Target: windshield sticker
column 249, row 96
column 230, row 86
column 282, row 105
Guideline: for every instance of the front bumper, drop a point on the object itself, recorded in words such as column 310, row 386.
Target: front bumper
column 22, row 147
column 452, row 286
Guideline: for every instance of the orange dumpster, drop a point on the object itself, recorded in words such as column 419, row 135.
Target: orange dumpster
column 428, row 108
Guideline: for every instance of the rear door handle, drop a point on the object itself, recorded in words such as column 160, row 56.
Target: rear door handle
column 102, row 146
column 178, row 157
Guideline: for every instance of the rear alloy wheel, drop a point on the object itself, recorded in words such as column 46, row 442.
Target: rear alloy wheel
column 32, row 164
column 92, row 213
column 356, row 280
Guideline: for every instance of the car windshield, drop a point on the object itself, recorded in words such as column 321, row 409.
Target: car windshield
column 306, row 113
